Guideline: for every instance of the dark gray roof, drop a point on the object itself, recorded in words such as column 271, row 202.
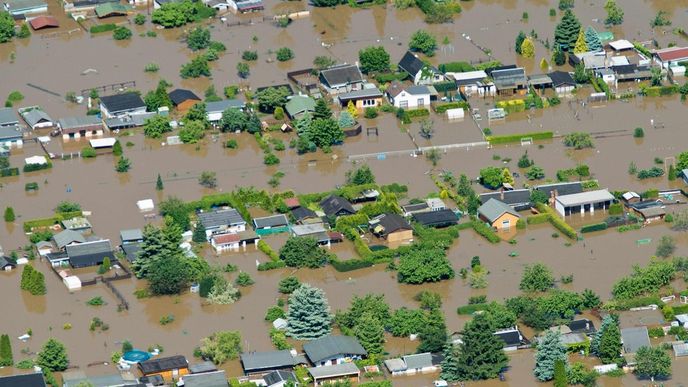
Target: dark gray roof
column 560, row 78
column 6, row 261
column 300, row 213
column 218, row 218
column 415, row 207
column 493, row 209
column 66, row 237
column 498, row 68
column 436, row 218
column 35, row 116
column 341, row 74
column 419, row 360
column 275, row 377
column 26, row 380
column 89, row 253
column 10, row 133
column 561, row 188
column 270, row 360
column 79, row 122
column 206, row 366
column 393, row 222
column 131, row 250
column 582, row 326
column 270, row 221
column 418, row 90
column 178, row 96
column 336, row 205
column 163, row 364
column 411, row 63
column 134, row 234
column 7, row 117
column 122, row 102
column 510, row 337
column 332, row 346
column 221, row 106
column 358, row 94
column 518, row 198
column 634, row 338
column 208, row 379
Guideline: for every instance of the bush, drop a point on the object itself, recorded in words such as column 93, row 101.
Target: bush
column 638, row 133
column 442, row 108
column 231, row 144
column 271, row 265
column 270, row 159
column 578, row 140
column 102, row 28
column 594, row 227
column 370, row 113
column 284, row 54
column 88, row 152
column 139, row 19
column 37, row 167
column 244, row 279
column 273, row 313
column 151, row 68
column 121, row 33
column 351, row 265
column 616, row 209
column 249, row 55
column 486, row 231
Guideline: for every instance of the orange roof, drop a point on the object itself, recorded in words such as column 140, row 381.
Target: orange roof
column 44, row 22
column 673, row 54
column 226, row 238
column 292, row 202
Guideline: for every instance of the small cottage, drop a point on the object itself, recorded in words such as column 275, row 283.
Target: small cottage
column 498, row 215
column 335, row 206
column 89, row 253
column 68, row 237
column 335, row 373
column 215, row 109
column 34, row 379
column 169, row 368
column 420, row 363
column 304, row 215
column 280, row 379
column 83, row 126
column 361, row 99
column 222, row 221
column 410, row 209
column 392, row 227
column 331, row 349
column 421, row 73
column 122, row 105
column 35, row 117
column 183, row 99
column 412, row 97
column 436, row 219
column 583, row 202
column 271, row 224
column 312, row 230
column 7, row 263
column 263, row 363
column 206, row 379
column 233, row 241
column 341, row 78
column 513, row 339
column 562, row 82
column 299, row 105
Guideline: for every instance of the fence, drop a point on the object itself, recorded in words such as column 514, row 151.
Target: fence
column 353, row 132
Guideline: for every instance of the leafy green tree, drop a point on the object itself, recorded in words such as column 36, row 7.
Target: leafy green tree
column 177, row 210
column 581, row 46
column 323, row 62
column 405, row 322
column 535, row 173
column 665, row 247
column 199, row 235
column 549, row 351
column 422, row 41
column 24, row 31
column 321, row 110
column 197, row 113
column 272, row 97
column 374, row 59
column 309, row 314
column 566, row 32
column 157, row 98
column 221, row 346
column 287, row 285
column 198, row 38
column 157, row 125
column 169, row 275
column 433, row 332
column 371, row 333
column 653, row 363
column 123, row 164
column 527, row 48
column 590, row 299
column 53, row 356
column 560, row 379
column 66, row 206
column 422, row 264
column 615, row 15
column 117, row 148
column 578, row 140
column 33, row 281
column 606, row 343
column 284, row 54
column 158, row 184
column 558, row 56
column 233, row 120
column 480, row 355
column 519, row 41
column 359, row 176
column 6, row 358
column 325, row 132
column 491, row 177
column 303, row 252
column 198, row 67
column 192, row 132
column 121, row 33
column 592, row 40
column 7, row 30
column 373, row 305
column 9, row 214
column 175, row 14
column 577, row 373
column 525, row 161
column 243, row 70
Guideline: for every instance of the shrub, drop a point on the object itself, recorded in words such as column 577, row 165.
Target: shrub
column 140, row 19
column 231, row 144
column 102, row 28
column 244, row 279
column 88, row 152
column 370, row 113
column 616, row 209
column 151, row 68
column 486, row 231
column 594, row 227
column 284, row 54
column 270, row 159
column 638, row 133
column 121, row 33
column 249, row 55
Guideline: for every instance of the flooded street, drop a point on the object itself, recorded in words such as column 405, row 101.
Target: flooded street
column 61, row 61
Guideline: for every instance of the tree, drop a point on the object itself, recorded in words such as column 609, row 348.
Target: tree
column 9, row 214
column 525, row 161
column 565, row 4
column 422, row 41
column 67, row 206
column 198, row 38
column 549, row 351
column 208, row 179
column 560, row 379
column 606, row 343
column 580, row 74
column 373, row 305
column 528, row 48
column 303, row 252
column 152, row 245
column 174, row 14
column 371, row 333
column 6, row 358
column 7, row 30
column 197, row 113
column 374, row 59
column 199, row 234
column 536, row 278
column 24, row 31
column 53, row 356
column 480, row 355
column 581, row 46
column 243, row 70
column 121, row 33
column 592, row 40
column 192, row 132
column 323, row 62
column 422, row 264
column 117, row 148
column 123, row 165
column 590, row 299
column 666, row 246
column 351, row 109
column 535, row 173
column 359, row 176
column 106, row 265
column 157, row 125
column 309, row 314
column 660, row 20
column 198, row 67
column 321, row 110
column 566, row 32
column 271, row 97
column 177, row 210
column 325, row 132
column 656, row 78
column 507, row 178
column 433, row 332
column 287, row 285
column 157, row 98
column 233, row 120
column 558, row 56
column 284, row 54
column 221, row 346
column 169, row 275
column 544, row 65
column 326, row 3
column 33, row 281
column 158, row 184
column 346, row 120
column 652, row 363
column 578, row 140
column 519, row 41
column 491, row 177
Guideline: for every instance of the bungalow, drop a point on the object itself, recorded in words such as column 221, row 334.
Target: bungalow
column 680, row 349
column 271, row 224
column 41, row 22
column 11, row 136
column 232, row 241
column 44, row 248
column 169, row 368
column 25, row 380
column 298, row 105
column 119, row 105
column 421, row 72
column 292, row 203
column 330, row 374
column 568, row 338
column 557, row 189
column 126, row 122
column 59, row 259
column 362, row 99
column 671, row 56
column 76, row 127
column 518, row 199
column 67, row 237
column 621, row 45
column 71, row 6
column 513, row 339
column 78, row 224
column 330, row 350
column 607, row 75
column 183, row 99
column 420, row 363
column 630, row 197
column 223, row 221
column 215, row 109
column 335, row 206
column 411, row 97
column 583, row 202
column 24, row 7
column 312, row 230
column 634, row 338
column 262, row 363
column 651, row 214
column 341, row 78
column 677, row 74
column 36, row 118
column 473, row 82
column 509, row 80
column 7, row 263
column 498, row 214
column 562, row 82
column 437, row 219
column 134, row 235
column 279, row 379
column 207, row 379
column 436, row 204
column 392, row 227
column 590, row 60
column 539, row 81
column 131, row 250
column 89, row 253
column 243, row 6
column 632, row 72
column 304, row 215
column 411, row 209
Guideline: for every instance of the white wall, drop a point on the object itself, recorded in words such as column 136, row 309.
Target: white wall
column 411, row 100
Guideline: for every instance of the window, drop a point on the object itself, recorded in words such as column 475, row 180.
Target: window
column 421, row 101
column 403, row 104
column 368, row 102
column 506, row 223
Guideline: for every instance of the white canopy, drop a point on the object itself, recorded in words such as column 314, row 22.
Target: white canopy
column 36, row 160
column 145, row 205
column 103, row 142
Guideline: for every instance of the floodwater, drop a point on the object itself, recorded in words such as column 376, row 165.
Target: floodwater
column 49, row 60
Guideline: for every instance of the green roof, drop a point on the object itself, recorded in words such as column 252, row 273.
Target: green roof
column 110, row 9
column 299, row 104
column 605, row 36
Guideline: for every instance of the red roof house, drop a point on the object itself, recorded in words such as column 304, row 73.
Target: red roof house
column 41, row 22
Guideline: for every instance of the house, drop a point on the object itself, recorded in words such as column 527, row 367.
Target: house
column 630, row 197
column 112, row 9
column 420, row 363
column 44, row 247
column 34, row 116
column 199, row 368
column 215, row 109
column 632, row 72
column 335, row 206
column 76, row 127
column 90, row 253
column 668, row 57
column 436, row 204
column 298, row 105
column 304, row 215
column 169, row 368
column 341, row 78
column 558, row 189
column 72, row 6
column 7, row 263
column 513, row 339
column 437, row 219
column 312, row 230
column 415, row 208
column 274, row 223
column 222, row 221
column 330, row 374
column 8, row 118
column 330, row 350
column 207, row 379
column 421, row 72
column 11, row 136
column 498, row 214
column 562, row 82
column 292, row 203
column 682, row 320
column 134, row 235
column 583, row 202
column 232, row 241
column 507, row 81
column 651, row 214
column 119, row 105
column 279, row 378
column 634, row 338
column 58, row 259
column 262, row 363
column 568, row 338
column 392, row 227
column 243, row 6
column 473, row 82
column 411, row 97
column 582, row 326
column 25, row 7
column 79, row 224
column 518, row 199
column 25, row 380
column 183, row 99
column 540, row 81
column 590, row 60
column 68, row 237
column 361, row 99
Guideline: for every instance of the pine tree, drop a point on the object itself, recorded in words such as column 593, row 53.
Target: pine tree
column 519, row 41
column 592, row 40
column 607, row 320
column 309, row 314
column 9, row 214
column 27, row 277
column 433, row 334
column 199, row 235
column 566, row 33
column 6, row 358
column 507, row 177
column 549, row 351
column 480, row 356
column 321, row 109
column 544, row 66
column 153, row 241
column 449, row 363
column 560, row 374
column 580, row 46
column 117, row 148
column 53, row 356
column 609, row 348
column 528, row 48
column 558, row 56
column 371, row 333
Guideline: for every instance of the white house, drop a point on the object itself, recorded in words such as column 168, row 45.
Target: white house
column 671, row 56
column 411, row 97
column 422, row 73
column 233, row 241
column 24, row 7
column 215, row 109
column 122, row 105
column 225, row 221
column 419, row 363
column 474, row 82
column 36, row 118
column 562, row 82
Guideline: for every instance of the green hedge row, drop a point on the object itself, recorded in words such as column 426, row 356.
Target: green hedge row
column 271, row 265
column 37, row 167
column 594, row 227
column 557, row 222
column 9, row 172
column 486, row 231
column 47, row 222
column 352, row 264
column 102, row 28
column 391, row 77
column 627, row 304
column 441, row 87
column 422, row 112
column 538, row 219
column 657, row 91
column 470, row 309
column 451, row 105
column 509, row 138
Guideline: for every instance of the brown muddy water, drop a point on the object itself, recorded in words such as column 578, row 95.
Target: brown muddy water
column 56, row 62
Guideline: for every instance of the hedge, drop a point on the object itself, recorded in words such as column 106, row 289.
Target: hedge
column 616, row 209
column 594, row 227
column 471, row 308
column 47, row 222
column 37, row 167
column 271, row 265
column 512, row 106
column 441, row 87
column 456, row 67
column 509, row 138
column 486, row 231
column 557, row 222
column 102, row 28
column 265, row 248
column 391, row 77
column 657, row 91
column 352, row 264
column 627, row 304
column 537, row 219
column 422, row 112
column 9, row 172
column 451, row 105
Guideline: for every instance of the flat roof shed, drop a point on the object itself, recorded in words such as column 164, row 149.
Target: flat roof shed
column 583, row 202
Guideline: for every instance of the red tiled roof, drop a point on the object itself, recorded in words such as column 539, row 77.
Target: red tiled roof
column 44, row 22
column 673, row 54
column 292, row 202
column 226, row 238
